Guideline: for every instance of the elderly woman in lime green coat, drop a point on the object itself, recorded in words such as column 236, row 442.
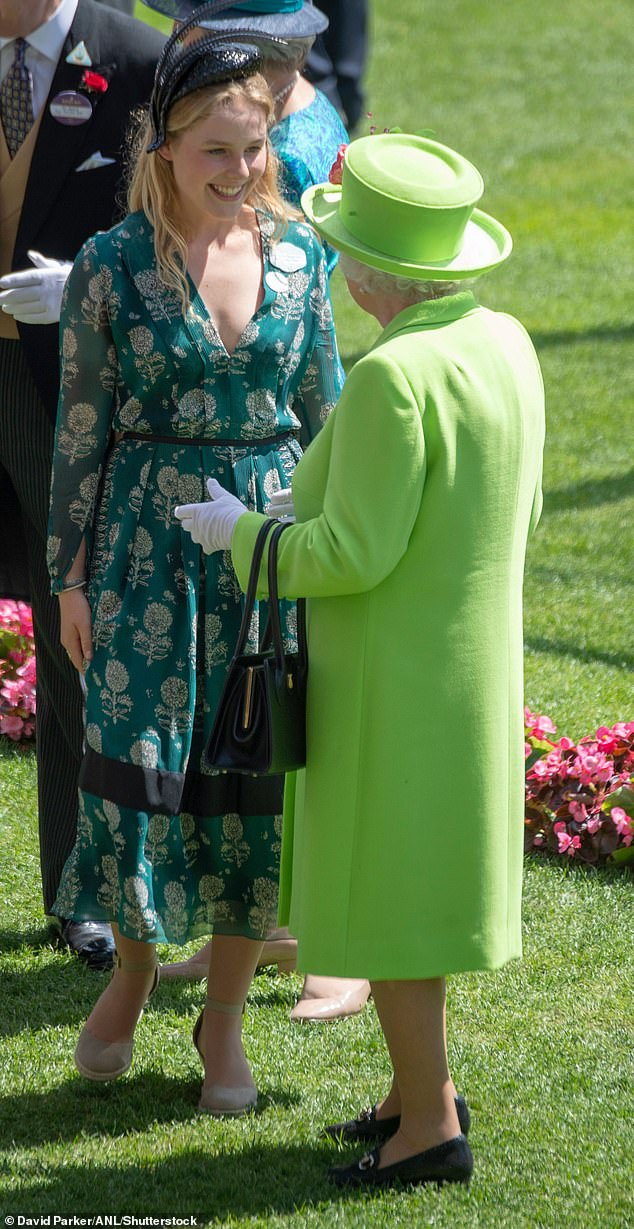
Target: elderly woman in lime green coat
column 402, row 855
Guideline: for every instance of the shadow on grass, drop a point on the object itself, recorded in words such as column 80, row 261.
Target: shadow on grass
column 541, row 341
column 258, row 1180
column 564, row 648
column 60, row 990
column 37, row 939
column 590, row 494
column 605, row 872
column 114, row 1110
column 570, row 337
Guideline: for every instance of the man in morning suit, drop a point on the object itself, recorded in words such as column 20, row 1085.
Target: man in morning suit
column 71, row 71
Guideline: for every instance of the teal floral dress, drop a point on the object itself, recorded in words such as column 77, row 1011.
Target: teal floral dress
column 151, row 404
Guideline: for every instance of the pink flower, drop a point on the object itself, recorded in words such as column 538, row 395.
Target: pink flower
column 622, row 729
column 590, row 768
column 540, row 771
column 607, row 741
column 578, row 811
column 538, row 840
column 537, row 726
column 12, row 726
column 593, row 824
column 557, row 765
column 567, row 844
column 623, row 824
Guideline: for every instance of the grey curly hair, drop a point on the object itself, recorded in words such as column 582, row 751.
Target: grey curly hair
column 376, row 281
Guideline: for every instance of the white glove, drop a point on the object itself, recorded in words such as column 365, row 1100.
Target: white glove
column 211, row 524
column 281, row 505
column 35, row 295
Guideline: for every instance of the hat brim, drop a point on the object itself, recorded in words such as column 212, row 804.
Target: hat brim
column 308, row 21
column 486, row 243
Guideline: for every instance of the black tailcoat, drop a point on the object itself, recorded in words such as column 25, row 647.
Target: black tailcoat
column 63, row 206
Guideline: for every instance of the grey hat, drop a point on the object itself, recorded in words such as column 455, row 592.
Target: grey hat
column 278, row 18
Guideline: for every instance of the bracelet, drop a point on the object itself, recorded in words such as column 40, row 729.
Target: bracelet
column 73, row 584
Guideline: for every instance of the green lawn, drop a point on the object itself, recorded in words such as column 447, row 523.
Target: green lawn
column 539, row 96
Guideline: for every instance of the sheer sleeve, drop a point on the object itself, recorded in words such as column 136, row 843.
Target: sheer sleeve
column 84, row 414
column 324, row 376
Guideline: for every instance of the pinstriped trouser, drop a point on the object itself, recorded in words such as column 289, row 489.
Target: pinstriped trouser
column 26, row 444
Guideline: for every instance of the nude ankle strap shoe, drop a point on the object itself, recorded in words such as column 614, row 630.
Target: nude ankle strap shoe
column 108, row 1060
column 217, row 1099
column 222, row 1102
column 102, row 1060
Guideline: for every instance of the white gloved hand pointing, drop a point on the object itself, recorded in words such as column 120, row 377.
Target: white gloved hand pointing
column 34, row 296
column 211, row 524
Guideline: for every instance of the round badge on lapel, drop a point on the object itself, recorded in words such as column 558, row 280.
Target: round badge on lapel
column 288, row 256
column 71, row 108
column 276, row 281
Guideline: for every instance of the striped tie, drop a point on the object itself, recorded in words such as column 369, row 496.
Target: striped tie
column 16, row 100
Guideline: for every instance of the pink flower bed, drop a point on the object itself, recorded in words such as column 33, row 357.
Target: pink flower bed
column 580, row 797
column 17, row 671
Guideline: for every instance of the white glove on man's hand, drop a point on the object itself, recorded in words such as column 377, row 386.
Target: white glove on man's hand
column 211, row 524
column 281, row 505
column 34, row 296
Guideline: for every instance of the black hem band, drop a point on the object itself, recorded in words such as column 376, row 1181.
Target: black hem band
column 172, row 793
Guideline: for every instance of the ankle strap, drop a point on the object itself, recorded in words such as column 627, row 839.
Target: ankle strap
column 226, row 1009
column 136, row 966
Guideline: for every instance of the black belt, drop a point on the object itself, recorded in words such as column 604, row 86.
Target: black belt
column 201, row 442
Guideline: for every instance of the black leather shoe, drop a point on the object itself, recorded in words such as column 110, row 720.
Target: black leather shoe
column 368, row 1126
column 448, row 1162
column 92, row 942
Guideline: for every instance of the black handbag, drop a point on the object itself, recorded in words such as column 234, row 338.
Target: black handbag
column 260, row 723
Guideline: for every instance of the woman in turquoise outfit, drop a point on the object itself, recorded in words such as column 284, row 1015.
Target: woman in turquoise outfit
column 197, row 338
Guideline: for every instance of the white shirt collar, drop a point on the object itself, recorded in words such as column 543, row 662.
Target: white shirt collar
column 50, row 37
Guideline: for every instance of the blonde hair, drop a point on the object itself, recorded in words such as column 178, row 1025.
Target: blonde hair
column 151, row 185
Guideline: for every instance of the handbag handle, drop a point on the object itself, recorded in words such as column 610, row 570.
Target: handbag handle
column 249, row 602
column 273, row 626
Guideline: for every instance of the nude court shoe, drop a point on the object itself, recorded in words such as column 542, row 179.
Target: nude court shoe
column 217, row 1099
column 107, row 1060
column 329, row 998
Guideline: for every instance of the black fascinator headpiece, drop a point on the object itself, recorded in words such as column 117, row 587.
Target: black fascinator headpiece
column 209, row 60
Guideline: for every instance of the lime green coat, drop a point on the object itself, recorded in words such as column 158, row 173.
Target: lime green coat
column 403, row 840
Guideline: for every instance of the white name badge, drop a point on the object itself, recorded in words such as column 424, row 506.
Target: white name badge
column 288, row 256
column 69, row 107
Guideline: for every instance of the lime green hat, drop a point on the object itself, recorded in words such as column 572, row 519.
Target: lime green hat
column 406, row 204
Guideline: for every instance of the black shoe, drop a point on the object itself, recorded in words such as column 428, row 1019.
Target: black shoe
column 448, row 1162
column 92, row 942
column 368, row 1126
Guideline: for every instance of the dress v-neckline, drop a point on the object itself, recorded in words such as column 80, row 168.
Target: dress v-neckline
column 206, row 314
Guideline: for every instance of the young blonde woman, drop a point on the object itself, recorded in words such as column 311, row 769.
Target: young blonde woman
column 306, row 136
column 197, row 339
